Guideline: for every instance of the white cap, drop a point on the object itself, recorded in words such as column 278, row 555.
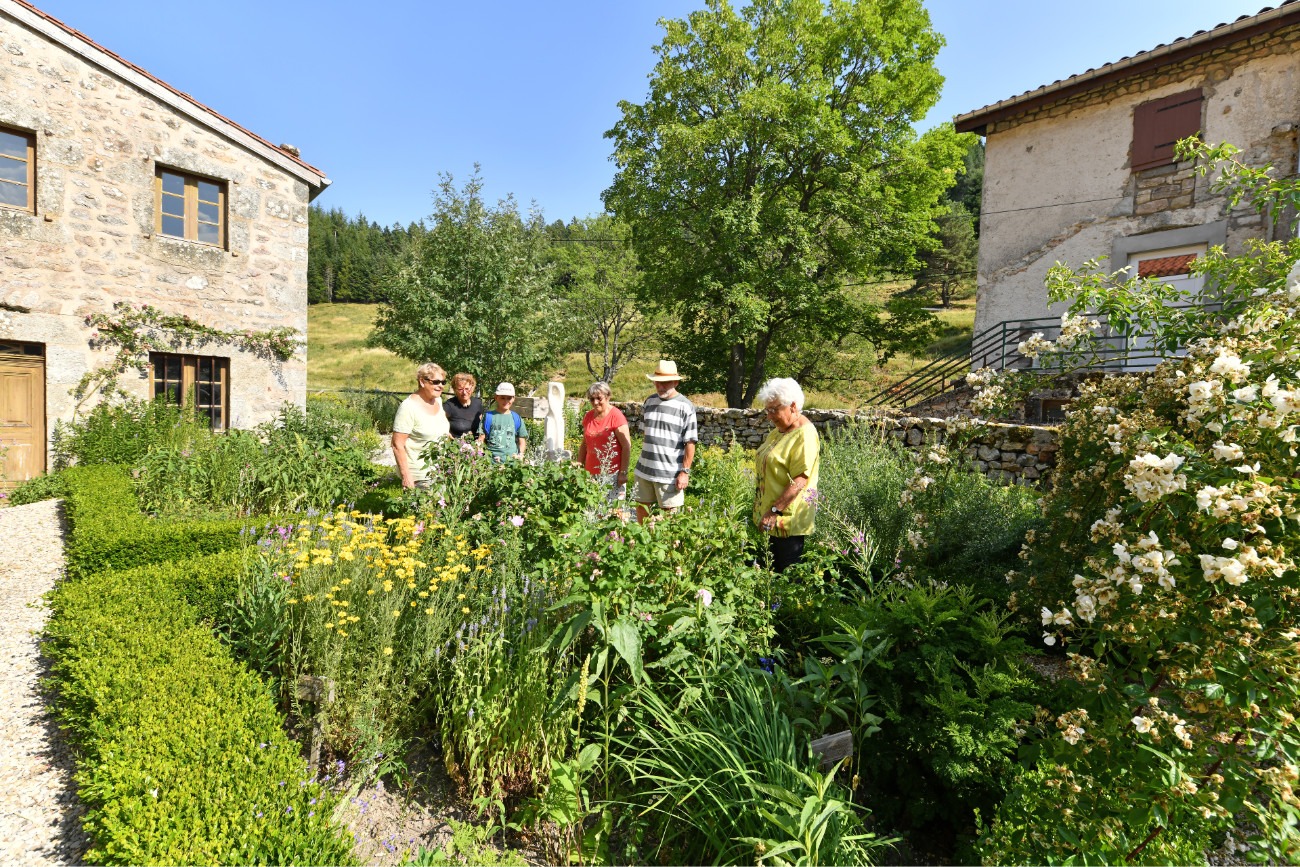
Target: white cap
column 505, row 389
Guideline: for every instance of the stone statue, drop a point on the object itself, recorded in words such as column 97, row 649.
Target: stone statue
column 555, row 450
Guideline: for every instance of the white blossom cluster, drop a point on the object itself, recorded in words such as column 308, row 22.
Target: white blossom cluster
column 1150, row 478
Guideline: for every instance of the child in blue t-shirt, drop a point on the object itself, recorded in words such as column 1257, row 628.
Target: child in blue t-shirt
column 504, row 434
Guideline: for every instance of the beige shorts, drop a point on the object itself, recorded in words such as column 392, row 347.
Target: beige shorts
column 663, row 494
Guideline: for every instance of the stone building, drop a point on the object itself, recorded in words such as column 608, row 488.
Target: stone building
column 1084, row 168
column 116, row 187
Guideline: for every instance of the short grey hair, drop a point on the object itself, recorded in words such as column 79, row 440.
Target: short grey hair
column 599, row 388
column 429, row 370
column 782, row 390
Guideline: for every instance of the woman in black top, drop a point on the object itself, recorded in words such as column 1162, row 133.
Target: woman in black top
column 464, row 409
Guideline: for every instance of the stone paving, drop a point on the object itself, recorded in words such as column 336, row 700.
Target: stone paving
column 39, row 811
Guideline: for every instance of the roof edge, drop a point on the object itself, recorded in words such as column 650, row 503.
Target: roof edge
column 91, row 51
column 978, row 121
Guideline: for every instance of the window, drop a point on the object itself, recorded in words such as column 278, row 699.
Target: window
column 190, row 207
column 1158, row 124
column 17, row 170
column 200, row 381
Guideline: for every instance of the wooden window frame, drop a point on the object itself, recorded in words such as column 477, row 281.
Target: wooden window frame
column 30, row 207
column 190, row 208
column 1161, row 122
column 189, row 379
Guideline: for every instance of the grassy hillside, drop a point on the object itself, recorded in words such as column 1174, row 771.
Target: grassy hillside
column 337, row 357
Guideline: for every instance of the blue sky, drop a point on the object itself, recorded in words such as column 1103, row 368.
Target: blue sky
column 384, row 95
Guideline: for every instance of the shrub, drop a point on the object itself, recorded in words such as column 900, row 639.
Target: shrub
column 47, row 487
column 107, row 530
column 1171, row 544
column 119, row 432
column 927, row 514
column 183, row 758
column 953, row 693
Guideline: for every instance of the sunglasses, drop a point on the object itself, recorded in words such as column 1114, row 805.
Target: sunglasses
column 434, row 381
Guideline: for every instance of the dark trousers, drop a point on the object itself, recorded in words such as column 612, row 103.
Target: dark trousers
column 784, row 551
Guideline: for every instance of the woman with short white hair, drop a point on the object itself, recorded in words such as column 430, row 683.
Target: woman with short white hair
column 786, row 466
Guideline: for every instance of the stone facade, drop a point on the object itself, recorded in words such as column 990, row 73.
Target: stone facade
column 102, row 128
column 1058, row 182
column 1011, row 453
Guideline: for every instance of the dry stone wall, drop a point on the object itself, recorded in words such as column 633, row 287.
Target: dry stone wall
column 1010, row 453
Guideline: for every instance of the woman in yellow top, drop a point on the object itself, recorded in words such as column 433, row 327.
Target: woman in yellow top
column 419, row 420
column 786, row 466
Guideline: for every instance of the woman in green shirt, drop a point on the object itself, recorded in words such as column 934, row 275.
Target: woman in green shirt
column 786, row 466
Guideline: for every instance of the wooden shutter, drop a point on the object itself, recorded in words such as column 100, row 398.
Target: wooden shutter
column 1158, row 124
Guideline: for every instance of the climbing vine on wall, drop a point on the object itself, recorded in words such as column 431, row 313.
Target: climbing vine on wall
column 135, row 330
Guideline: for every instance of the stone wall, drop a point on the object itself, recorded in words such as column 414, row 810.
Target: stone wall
column 1013, row 453
column 91, row 242
column 1059, row 184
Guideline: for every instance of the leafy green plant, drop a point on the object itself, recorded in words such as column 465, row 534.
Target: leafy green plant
column 953, row 695
column 722, row 776
column 46, row 487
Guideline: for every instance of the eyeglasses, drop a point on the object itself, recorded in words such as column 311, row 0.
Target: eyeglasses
column 434, row 381
column 772, row 410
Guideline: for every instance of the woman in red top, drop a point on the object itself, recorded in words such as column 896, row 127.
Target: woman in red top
column 606, row 442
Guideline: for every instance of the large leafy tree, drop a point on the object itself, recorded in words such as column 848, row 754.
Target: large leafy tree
column 950, row 267
column 596, row 270
column 473, row 292
column 773, row 165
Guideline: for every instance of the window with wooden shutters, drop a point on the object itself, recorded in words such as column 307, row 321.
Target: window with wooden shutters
column 190, row 207
column 200, row 381
column 1159, row 124
column 17, row 169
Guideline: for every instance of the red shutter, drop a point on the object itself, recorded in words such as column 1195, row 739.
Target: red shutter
column 1158, row 124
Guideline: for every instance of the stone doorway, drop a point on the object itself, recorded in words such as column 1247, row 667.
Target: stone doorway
column 22, row 411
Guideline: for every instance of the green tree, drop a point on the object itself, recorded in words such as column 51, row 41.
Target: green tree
column 473, row 291
column 596, row 270
column 969, row 188
column 772, row 165
column 950, row 266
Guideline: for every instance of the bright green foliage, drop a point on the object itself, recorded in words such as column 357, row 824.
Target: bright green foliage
column 46, row 487
column 117, row 432
column 772, row 164
column 183, row 757
column 724, row 777
column 109, row 532
column 474, row 293
column 300, row 460
column 596, row 270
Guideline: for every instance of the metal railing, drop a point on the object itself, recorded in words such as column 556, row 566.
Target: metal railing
column 998, row 347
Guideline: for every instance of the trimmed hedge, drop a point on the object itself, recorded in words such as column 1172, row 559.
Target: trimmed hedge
column 108, row 531
column 184, row 758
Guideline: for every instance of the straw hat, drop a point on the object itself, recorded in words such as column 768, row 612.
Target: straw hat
column 665, row 371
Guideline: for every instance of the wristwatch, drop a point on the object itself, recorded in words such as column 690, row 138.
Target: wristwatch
column 775, row 510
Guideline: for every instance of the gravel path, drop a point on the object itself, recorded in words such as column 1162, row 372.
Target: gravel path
column 39, row 811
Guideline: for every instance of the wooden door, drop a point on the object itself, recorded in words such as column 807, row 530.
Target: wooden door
column 22, row 417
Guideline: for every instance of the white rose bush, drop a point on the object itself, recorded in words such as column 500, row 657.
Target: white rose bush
column 1168, row 575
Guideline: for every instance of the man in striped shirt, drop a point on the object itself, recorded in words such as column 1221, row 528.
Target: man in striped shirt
column 668, row 419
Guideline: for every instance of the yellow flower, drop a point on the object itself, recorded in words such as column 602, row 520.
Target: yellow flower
column 329, row 625
column 388, row 651
column 464, row 609
column 460, row 597
column 344, row 634
column 397, row 612
column 428, row 611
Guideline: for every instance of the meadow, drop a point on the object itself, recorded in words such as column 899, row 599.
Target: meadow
column 338, row 358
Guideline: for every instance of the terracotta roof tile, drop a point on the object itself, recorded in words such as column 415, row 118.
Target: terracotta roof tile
column 1169, row 266
column 72, row 31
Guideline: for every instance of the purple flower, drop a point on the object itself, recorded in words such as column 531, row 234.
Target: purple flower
column 517, row 520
